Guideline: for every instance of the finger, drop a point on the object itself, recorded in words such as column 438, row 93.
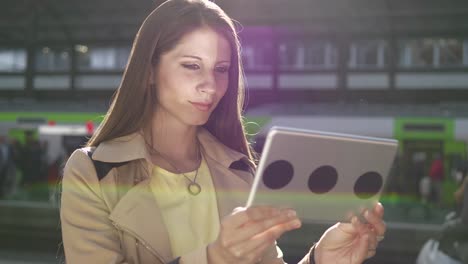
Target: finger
column 241, row 216
column 372, row 238
column 375, row 222
column 351, row 228
column 255, row 255
column 358, row 225
column 379, row 210
column 248, row 231
column 371, row 253
column 258, row 213
column 359, row 213
column 363, row 249
column 264, row 238
column 372, row 245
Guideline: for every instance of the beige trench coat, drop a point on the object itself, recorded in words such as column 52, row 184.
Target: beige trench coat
column 112, row 217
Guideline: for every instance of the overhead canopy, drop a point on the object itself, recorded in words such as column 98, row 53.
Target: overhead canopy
column 71, row 20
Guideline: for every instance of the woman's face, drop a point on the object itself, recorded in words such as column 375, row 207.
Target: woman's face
column 192, row 78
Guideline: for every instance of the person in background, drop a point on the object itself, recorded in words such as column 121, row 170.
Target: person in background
column 7, row 168
column 461, row 196
column 461, row 171
column 454, row 236
column 165, row 175
column 31, row 162
column 436, row 174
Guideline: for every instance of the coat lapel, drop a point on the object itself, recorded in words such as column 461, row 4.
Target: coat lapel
column 138, row 214
column 232, row 186
column 232, row 189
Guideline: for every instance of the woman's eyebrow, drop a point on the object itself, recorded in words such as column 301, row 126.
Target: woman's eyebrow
column 191, row 56
column 200, row 59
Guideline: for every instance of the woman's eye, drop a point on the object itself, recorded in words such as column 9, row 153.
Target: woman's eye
column 191, row 66
column 222, row 69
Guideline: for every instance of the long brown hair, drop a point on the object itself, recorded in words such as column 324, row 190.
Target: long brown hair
column 134, row 102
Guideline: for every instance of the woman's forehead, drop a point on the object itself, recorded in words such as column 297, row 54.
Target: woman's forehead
column 203, row 43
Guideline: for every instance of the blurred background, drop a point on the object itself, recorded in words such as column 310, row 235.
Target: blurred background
column 385, row 68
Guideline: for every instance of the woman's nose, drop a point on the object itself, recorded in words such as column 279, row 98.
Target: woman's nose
column 209, row 83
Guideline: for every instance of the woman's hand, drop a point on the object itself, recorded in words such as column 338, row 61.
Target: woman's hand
column 351, row 243
column 246, row 234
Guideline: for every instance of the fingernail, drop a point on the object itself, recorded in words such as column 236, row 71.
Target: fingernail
column 296, row 223
column 366, row 213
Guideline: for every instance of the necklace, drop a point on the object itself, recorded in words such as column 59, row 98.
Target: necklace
column 193, row 187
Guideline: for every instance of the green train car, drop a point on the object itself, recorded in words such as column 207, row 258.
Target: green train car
column 420, row 138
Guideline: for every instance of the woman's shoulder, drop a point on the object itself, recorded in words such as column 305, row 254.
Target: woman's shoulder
column 79, row 161
column 84, row 160
column 121, row 149
column 79, row 174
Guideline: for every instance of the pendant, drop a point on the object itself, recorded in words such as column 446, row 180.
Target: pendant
column 194, row 188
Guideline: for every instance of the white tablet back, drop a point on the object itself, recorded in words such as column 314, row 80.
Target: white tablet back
column 323, row 176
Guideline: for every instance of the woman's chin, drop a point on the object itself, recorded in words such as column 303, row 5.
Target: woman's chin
column 199, row 122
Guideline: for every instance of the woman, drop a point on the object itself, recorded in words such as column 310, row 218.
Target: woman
column 164, row 175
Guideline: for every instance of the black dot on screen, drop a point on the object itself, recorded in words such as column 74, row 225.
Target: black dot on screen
column 278, row 174
column 368, row 185
column 323, row 179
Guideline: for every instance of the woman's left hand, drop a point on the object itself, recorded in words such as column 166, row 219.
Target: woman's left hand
column 351, row 243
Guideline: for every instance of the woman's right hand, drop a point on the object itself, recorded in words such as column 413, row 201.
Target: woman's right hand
column 247, row 233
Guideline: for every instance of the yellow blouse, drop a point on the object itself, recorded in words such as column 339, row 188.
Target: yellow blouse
column 192, row 221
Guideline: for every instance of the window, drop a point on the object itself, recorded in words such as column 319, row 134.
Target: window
column 368, row 54
column 53, row 59
column 12, row 60
column 432, row 53
column 307, row 55
column 291, row 56
column 417, row 53
column 450, row 52
column 257, row 55
column 101, row 58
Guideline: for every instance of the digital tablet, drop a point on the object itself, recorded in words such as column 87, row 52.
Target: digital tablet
column 325, row 177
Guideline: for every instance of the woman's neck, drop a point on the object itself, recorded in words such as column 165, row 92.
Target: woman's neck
column 174, row 145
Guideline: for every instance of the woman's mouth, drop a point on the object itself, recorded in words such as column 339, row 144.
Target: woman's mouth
column 204, row 107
